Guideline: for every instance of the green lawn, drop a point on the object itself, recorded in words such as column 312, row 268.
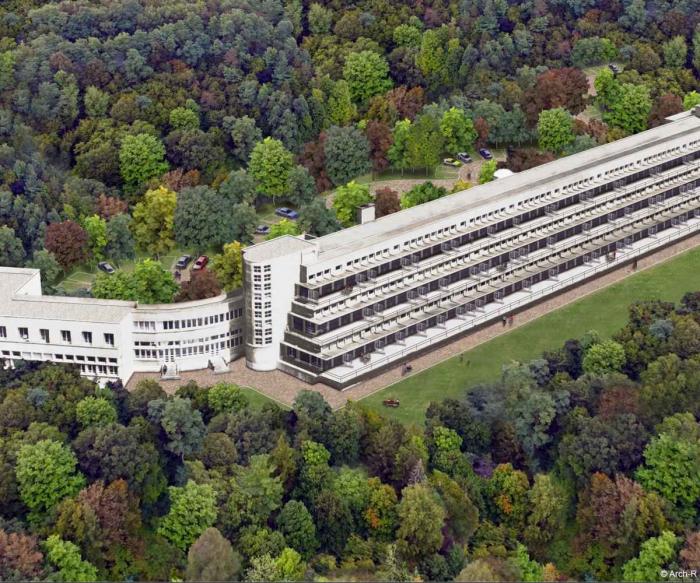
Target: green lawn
column 82, row 276
column 257, row 399
column 604, row 311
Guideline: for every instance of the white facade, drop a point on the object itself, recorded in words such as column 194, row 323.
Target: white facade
column 110, row 339
column 342, row 306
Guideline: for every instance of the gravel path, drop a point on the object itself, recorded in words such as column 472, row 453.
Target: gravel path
column 284, row 388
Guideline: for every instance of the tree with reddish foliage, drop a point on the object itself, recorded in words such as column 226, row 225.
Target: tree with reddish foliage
column 618, row 401
column 202, row 284
column 595, row 128
column 397, row 104
column 379, row 138
column 110, row 206
column 520, row 159
column 618, row 515
column 690, row 553
column 482, row 131
column 68, row 243
column 20, row 558
column 178, row 179
column 313, row 158
column 386, row 201
column 554, row 88
column 665, row 105
column 407, row 102
column 116, row 510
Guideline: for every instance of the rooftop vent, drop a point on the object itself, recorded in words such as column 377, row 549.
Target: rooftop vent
column 365, row 214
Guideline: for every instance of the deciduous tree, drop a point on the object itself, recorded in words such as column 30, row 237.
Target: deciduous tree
column 555, row 128
column 346, row 153
column 421, row 519
column 201, row 285
column 192, row 511
column 348, row 199
column 153, row 221
column 270, row 164
column 228, row 266
column 141, row 157
column 367, row 74
column 67, row 241
column 46, row 473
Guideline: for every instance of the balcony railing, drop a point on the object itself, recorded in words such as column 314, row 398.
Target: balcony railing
column 587, row 234
column 621, row 196
column 374, row 363
column 543, row 262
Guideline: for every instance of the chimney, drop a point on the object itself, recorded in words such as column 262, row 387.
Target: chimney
column 365, row 214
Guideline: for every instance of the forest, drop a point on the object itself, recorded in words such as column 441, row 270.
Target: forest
column 582, row 464
column 131, row 129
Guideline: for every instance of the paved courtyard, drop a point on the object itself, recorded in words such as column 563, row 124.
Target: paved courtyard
column 284, row 388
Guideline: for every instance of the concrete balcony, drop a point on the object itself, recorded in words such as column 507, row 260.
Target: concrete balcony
column 514, row 235
column 429, row 241
column 352, row 370
column 474, row 287
column 441, row 266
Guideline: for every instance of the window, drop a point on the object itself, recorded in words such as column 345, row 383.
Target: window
column 65, row 336
column 109, row 339
column 44, row 335
column 3, row 332
column 24, row 333
column 87, row 337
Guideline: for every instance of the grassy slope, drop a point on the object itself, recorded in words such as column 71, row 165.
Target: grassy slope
column 604, row 311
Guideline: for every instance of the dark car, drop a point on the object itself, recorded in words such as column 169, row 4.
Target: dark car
column 615, row 68
column 183, row 261
column 106, row 267
column 464, row 157
column 287, row 213
column 262, row 229
column 201, row 262
column 485, row 154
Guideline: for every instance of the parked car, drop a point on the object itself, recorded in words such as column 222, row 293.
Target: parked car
column 106, row 267
column 451, row 162
column 615, row 68
column 465, row 157
column 183, row 261
column 201, row 262
column 262, row 229
column 287, row 213
column 485, row 153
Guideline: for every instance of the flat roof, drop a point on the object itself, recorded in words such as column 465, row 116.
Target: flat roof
column 21, row 305
column 564, row 169
column 277, row 247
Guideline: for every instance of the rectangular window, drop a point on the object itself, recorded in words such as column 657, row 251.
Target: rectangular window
column 24, row 333
column 65, row 336
column 3, row 332
column 109, row 339
column 44, row 335
column 87, row 337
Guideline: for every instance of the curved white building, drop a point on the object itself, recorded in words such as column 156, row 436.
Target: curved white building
column 112, row 339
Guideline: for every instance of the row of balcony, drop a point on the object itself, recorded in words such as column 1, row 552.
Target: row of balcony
column 515, row 235
column 486, row 282
column 615, row 180
column 350, row 369
column 461, row 257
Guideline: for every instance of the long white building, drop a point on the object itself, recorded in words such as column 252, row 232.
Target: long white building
column 340, row 307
